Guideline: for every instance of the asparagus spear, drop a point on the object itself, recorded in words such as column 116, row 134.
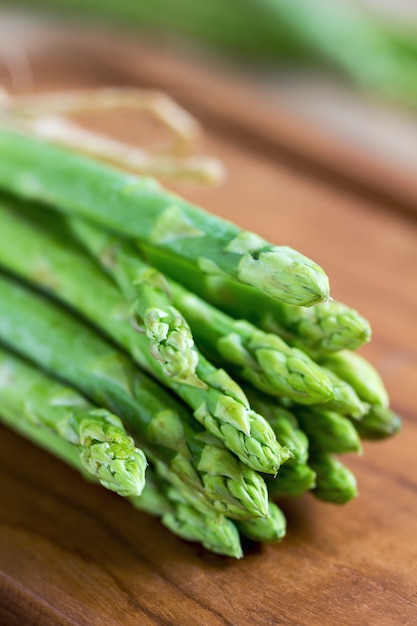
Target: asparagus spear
column 318, row 330
column 345, row 399
column 263, row 359
column 104, row 449
column 221, row 407
column 379, row 423
column 360, row 374
column 216, row 533
column 328, row 431
column 291, row 481
column 284, row 424
column 334, row 481
column 265, row 529
column 140, row 208
column 49, row 336
column 148, row 292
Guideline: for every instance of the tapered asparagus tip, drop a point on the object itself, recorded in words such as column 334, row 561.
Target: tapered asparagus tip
column 110, row 454
column 172, row 344
column 219, row 535
column 286, row 275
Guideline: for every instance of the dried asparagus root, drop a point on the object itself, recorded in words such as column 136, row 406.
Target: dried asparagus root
column 42, row 116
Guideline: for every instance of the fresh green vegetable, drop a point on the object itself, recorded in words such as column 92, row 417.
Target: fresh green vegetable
column 150, row 299
column 49, row 336
column 51, row 261
column 214, row 532
column 334, row 481
column 141, row 209
column 265, row 360
column 319, row 330
column 345, row 399
column 328, row 431
column 291, row 481
column 105, row 451
column 284, row 424
column 361, row 376
column 262, row 359
column 378, row 423
column 265, row 529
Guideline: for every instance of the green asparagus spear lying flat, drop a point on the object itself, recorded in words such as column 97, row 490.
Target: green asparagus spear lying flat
column 263, row 359
column 265, row 529
column 360, row 374
column 328, row 431
column 334, row 481
column 324, row 328
column 378, row 423
column 291, row 481
column 104, row 449
column 49, row 336
column 51, row 261
column 284, row 424
column 214, row 532
column 148, row 292
column 141, row 209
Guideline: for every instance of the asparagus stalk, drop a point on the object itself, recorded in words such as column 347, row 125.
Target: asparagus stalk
column 262, row 359
column 328, row 431
column 105, row 450
column 284, row 424
column 379, row 423
column 291, row 481
column 345, row 399
column 141, row 209
column 148, row 292
column 265, row 529
column 334, row 481
column 216, row 533
column 221, row 407
column 49, row 336
column 360, row 374
column 319, row 330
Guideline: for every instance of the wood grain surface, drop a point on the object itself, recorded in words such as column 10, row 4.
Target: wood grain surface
column 71, row 553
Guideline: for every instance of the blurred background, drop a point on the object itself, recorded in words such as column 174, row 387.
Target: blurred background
column 333, row 82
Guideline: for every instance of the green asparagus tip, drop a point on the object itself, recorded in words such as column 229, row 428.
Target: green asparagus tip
column 238, row 491
column 172, row 344
column 110, row 455
column 286, row 275
column 265, row 529
column 334, row 481
column 216, row 533
column 379, row 423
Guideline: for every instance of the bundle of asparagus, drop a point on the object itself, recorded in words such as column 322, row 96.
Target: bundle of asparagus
column 176, row 335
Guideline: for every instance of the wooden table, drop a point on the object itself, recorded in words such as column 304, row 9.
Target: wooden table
column 71, row 553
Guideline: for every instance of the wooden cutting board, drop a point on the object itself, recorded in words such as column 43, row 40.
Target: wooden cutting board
column 72, row 553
